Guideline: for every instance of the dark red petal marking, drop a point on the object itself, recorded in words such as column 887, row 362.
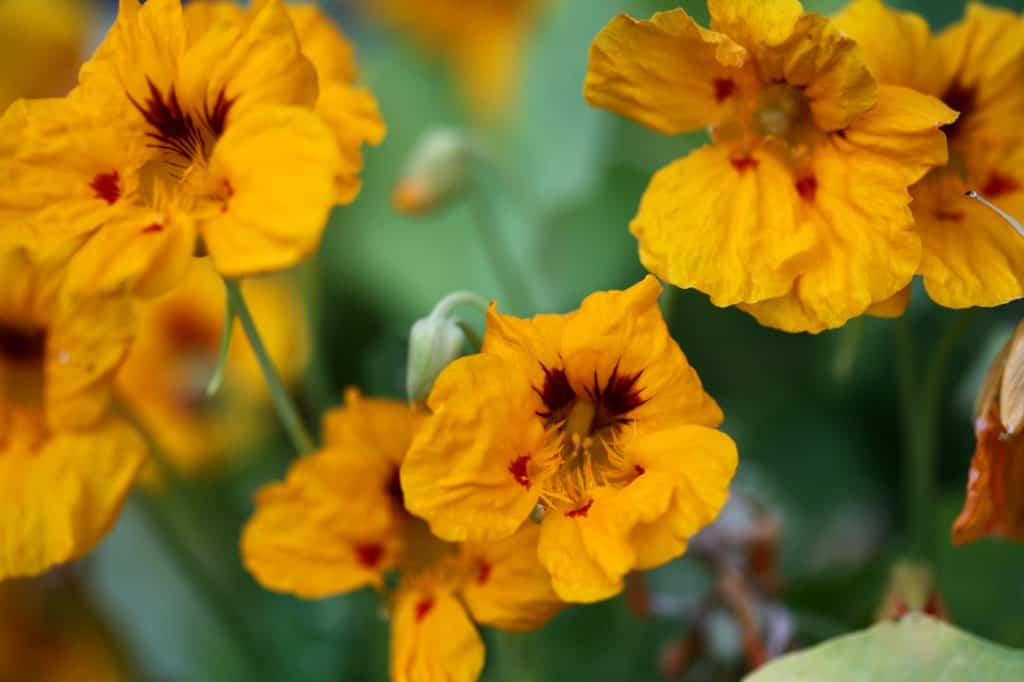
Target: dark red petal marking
column 556, row 394
column 619, row 397
column 743, row 163
column 369, row 555
column 155, row 227
column 394, row 490
column 518, row 469
column 580, row 511
column 961, row 99
column 22, row 345
column 999, row 184
column 724, row 88
column 954, row 216
column 423, row 607
column 176, row 131
column 640, row 471
column 485, row 572
column 807, row 187
column 107, row 186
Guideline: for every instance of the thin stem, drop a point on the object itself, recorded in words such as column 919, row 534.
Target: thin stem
column 210, row 594
column 286, row 410
column 506, row 267
column 227, row 333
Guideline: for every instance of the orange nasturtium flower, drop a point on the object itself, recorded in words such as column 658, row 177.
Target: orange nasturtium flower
column 798, row 212
column 995, row 487
column 596, row 417
column 163, row 381
column 65, row 463
column 185, row 138
column 971, row 257
column 338, row 523
column 482, row 40
column 41, row 47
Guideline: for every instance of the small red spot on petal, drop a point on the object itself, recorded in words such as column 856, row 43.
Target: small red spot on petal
column 640, row 471
column 580, row 511
column 155, row 227
column 485, row 572
column 807, row 187
column 999, row 184
column 743, row 163
column 369, row 555
column 724, row 88
column 519, row 471
column 107, row 186
column 955, row 216
column 423, row 607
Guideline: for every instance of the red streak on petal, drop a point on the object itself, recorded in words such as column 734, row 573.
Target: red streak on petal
column 485, row 572
column 743, row 163
column 155, row 227
column 999, row 184
column 807, row 187
column 519, row 472
column 640, row 471
column 369, row 555
column 107, row 186
column 955, row 216
column 423, row 608
column 580, row 511
column 724, row 88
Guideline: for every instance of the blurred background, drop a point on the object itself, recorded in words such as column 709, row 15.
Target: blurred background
column 817, row 519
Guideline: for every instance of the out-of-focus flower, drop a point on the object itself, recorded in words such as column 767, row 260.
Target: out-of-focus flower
column 338, row 522
column 164, row 379
column 49, row 633
column 970, row 257
column 596, row 417
column 41, row 47
column 65, row 463
column 799, row 211
column 995, row 485
column 482, row 40
column 911, row 588
column 438, row 169
column 186, row 141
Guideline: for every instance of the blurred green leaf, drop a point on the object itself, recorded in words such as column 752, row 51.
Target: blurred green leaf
column 915, row 648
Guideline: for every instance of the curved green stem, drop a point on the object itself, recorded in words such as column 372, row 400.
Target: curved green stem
column 226, row 334
column 286, row 410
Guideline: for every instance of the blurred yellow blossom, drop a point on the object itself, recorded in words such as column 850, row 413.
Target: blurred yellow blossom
column 976, row 66
column 164, row 379
column 597, row 417
column 338, row 522
column 65, row 463
column 185, row 142
column 799, row 211
column 41, row 46
column 482, row 40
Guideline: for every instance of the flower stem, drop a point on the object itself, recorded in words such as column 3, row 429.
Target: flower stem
column 922, row 402
column 286, row 410
column 226, row 334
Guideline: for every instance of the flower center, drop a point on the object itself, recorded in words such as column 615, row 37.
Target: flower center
column 784, row 113
column 22, row 355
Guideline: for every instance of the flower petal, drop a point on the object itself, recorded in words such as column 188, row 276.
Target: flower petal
column 432, row 638
column 279, row 168
column 352, row 114
column 511, row 590
column 460, row 473
column 667, row 73
column 56, row 504
column 755, row 22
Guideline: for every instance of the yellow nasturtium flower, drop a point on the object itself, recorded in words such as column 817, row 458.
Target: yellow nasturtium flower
column 41, row 47
column 181, row 141
column 338, row 523
column 65, row 463
column 164, row 379
column 798, row 211
column 482, row 40
column 596, row 417
column 971, row 257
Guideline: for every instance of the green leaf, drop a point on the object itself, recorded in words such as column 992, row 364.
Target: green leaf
column 915, row 648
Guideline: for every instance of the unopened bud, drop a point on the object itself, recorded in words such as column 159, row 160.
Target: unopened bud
column 438, row 170
column 434, row 342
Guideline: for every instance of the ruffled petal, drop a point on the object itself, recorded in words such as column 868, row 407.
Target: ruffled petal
column 379, row 425
column 432, row 638
column 323, row 44
column 891, row 307
column 510, row 589
column 278, row 171
column 755, row 22
column 724, row 224
column 469, row 469
column 667, row 73
column 56, row 504
column 353, row 116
